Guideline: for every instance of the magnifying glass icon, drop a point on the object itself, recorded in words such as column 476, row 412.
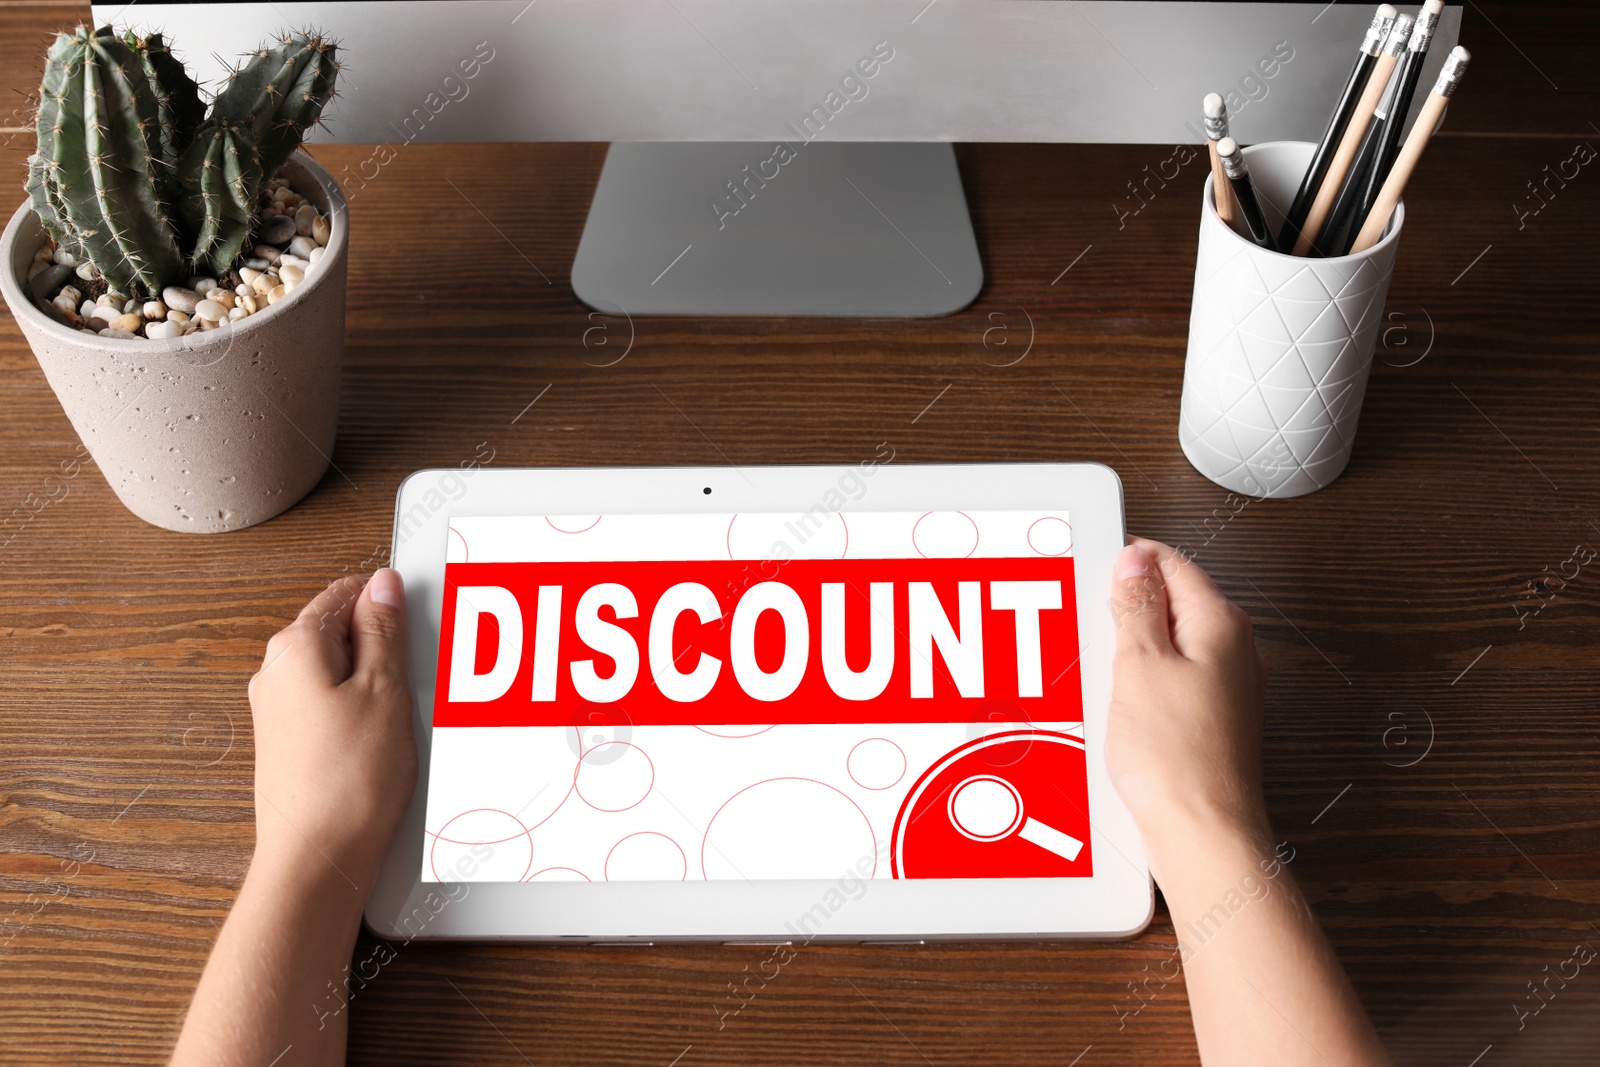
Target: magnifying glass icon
column 988, row 808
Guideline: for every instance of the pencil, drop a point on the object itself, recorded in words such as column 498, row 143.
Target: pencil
column 1245, row 191
column 1340, row 164
column 1216, row 113
column 1410, row 73
column 1428, row 120
column 1366, row 57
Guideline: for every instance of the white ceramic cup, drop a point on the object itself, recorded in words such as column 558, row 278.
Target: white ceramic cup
column 1279, row 346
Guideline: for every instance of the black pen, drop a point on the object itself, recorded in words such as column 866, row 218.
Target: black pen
column 1371, row 44
column 1245, row 193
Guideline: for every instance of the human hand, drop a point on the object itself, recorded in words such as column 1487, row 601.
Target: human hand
column 1183, row 746
column 335, row 758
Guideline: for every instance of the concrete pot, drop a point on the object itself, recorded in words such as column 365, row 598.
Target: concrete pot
column 214, row 431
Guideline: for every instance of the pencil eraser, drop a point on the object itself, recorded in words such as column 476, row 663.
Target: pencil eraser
column 1227, row 146
column 1433, row 7
column 1389, row 11
column 1213, row 106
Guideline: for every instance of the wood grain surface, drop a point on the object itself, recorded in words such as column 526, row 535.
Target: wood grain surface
column 1431, row 749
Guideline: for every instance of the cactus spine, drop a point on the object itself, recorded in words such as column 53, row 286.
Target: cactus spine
column 133, row 175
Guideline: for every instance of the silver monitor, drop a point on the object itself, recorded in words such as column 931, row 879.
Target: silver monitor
column 793, row 157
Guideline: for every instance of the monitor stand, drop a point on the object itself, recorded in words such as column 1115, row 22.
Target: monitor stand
column 797, row 228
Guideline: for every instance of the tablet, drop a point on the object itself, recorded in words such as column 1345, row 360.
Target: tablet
column 761, row 704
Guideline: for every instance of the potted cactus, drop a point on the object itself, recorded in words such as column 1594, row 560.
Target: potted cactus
column 179, row 271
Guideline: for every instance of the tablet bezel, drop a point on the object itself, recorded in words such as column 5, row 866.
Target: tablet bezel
column 1117, row 901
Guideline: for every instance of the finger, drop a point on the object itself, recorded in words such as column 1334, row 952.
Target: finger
column 1139, row 603
column 1201, row 616
column 378, row 629
column 322, row 630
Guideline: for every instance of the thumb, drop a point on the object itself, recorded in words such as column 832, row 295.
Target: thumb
column 1139, row 603
column 378, row 629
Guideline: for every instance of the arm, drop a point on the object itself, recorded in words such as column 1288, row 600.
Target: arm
column 1184, row 751
column 335, row 766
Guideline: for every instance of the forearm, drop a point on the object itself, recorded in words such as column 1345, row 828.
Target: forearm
column 1264, row 984
column 275, row 979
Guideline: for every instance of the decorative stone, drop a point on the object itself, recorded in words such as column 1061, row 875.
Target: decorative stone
column 131, row 306
column 291, row 274
column 277, row 230
column 103, row 313
column 303, row 216
column 179, row 299
column 302, row 246
column 248, row 275
column 84, row 270
column 316, row 256
column 277, row 294
column 321, row 230
column 126, row 322
column 266, row 252
column 158, row 330
column 202, row 284
column 256, row 264
column 178, row 317
column 64, row 257
column 49, row 279
column 154, row 309
column 249, row 303
column 210, row 311
column 235, row 314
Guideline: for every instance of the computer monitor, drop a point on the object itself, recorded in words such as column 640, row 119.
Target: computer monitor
column 793, row 157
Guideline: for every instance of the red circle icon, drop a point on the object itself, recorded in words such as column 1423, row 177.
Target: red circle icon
column 1010, row 805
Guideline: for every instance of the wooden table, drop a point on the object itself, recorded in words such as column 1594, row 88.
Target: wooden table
column 1431, row 746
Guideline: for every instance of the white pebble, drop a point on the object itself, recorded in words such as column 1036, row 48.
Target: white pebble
column 295, row 260
column 256, row 264
column 85, row 270
column 131, row 306
column 44, row 253
column 277, row 294
column 202, row 284
column 154, row 309
column 105, row 314
column 178, row 317
column 209, row 310
column 72, row 291
column 158, row 330
column 86, row 309
column 266, row 252
column 265, row 284
column 303, row 215
column 291, row 274
column 64, row 304
column 64, row 258
column 235, row 314
column 249, row 303
column 302, row 246
column 316, row 256
column 320, row 230
column 248, row 275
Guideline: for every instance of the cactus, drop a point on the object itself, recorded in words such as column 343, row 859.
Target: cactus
column 280, row 92
column 221, row 177
column 133, row 175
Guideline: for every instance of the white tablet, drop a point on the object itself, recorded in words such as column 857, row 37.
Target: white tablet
column 762, row 704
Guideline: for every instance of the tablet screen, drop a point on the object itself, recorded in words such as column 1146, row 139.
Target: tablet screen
column 758, row 696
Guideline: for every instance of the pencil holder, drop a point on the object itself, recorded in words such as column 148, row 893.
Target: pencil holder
column 1279, row 346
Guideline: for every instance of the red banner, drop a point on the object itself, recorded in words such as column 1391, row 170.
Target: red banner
column 714, row 642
